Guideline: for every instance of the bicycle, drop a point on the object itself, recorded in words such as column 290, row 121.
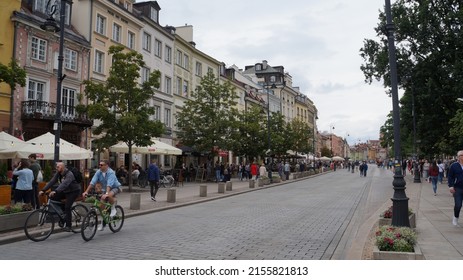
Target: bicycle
column 90, row 222
column 166, row 181
column 40, row 223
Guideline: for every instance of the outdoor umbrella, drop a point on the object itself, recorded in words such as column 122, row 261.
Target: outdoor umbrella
column 44, row 147
column 157, row 148
column 8, row 141
column 338, row 158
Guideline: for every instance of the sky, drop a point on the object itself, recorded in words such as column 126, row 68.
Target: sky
column 317, row 41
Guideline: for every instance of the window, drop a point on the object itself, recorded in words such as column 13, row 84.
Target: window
column 145, row 74
column 99, row 62
column 179, row 58
column 117, row 32
column 36, row 90
column 157, row 112
column 167, row 117
column 154, row 14
column 70, row 59
column 157, row 48
column 100, row 24
column 199, row 69
column 68, row 98
column 168, row 54
column 131, row 40
column 146, row 41
column 186, row 61
column 179, row 86
column 185, row 88
column 167, row 85
column 38, row 48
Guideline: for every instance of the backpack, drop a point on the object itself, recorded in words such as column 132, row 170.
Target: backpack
column 77, row 174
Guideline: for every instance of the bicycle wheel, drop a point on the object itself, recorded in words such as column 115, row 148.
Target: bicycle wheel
column 89, row 225
column 39, row 225
column 171, row 181
column 117, row 221
column 78, row 213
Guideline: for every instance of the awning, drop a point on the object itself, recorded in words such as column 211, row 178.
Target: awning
column 8, row 141
column 157, row 148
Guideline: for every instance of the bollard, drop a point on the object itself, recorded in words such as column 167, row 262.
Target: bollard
column 203, row 190
column 171, row 195
column 221, row 187
column 260, row 182
column 252, row 183
column 228, row 186
column 135, row 201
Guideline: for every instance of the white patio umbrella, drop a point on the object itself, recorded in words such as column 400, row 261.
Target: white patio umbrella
column 157, row 148
column 338, row 158
column 325, row 158
column 44, row 147
column 8, row 141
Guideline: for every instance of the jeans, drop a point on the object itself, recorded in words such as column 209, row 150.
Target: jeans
column 434, row 183
column 154, row 186
column 35, row 195
column 70, row 198
column 217, row 176
column 458, row 197
column 440, row 177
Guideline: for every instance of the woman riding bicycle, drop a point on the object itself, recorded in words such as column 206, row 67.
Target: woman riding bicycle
column 68, row 188
column 109, row 183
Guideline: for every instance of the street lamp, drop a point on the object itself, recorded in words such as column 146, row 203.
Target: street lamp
column 331, row 139
column 50, row 25
column 273, row 86
column 416, row 171
column 399, row 199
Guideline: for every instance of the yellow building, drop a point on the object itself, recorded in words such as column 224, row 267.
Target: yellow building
column 6, row 53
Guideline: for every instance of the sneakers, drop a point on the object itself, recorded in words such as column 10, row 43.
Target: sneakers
column 153, row 199
column 67, row 229
column 101, row 227
column 113, row 211
column 455, row 221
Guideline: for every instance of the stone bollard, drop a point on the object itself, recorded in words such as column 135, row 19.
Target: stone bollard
column 135, row 201
column 260, row 182
column 221, row 188
column 252, row 183
column 203, row 190
column 171, row 193
column 228, row 186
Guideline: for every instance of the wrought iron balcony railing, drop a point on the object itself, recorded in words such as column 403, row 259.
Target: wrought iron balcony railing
column 34, row 109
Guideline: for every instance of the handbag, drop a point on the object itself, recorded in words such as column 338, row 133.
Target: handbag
column 39, row 177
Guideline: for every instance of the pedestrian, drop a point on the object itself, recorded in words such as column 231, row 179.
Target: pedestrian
column 455, row 183
column 35, row 167
column 68, row 189
column 426, row 166
column 361, row 169
column 217, row 171
column 153, row 178
column 433, row 172
column 365, row 169
column 23, row 189
column 262, row 170
column 254, row 170
column 287, row 170
column 441, row 166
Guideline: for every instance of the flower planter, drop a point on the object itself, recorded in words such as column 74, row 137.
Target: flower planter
column 13, row 221
column 390, row 255
column 388, row 221
column 276, row 179
column 5, row 194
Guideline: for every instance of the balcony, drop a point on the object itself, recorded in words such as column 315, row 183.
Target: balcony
column 41, row 110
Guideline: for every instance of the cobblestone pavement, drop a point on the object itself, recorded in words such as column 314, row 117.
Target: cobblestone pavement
column 305, row 219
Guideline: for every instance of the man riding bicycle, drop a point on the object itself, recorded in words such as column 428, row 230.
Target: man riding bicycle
column 68, row 188
column 109, row 184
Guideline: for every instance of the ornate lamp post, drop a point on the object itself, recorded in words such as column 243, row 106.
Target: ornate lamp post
column 51, row 26
column 399, row 199
column 273, row 86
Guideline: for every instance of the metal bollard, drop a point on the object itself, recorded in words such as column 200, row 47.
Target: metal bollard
column 221, row 188
column 203, row 190
column 228, row 186
column 135, row 201
column 171, row 193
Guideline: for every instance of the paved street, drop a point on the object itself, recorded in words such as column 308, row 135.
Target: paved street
column 307, row 219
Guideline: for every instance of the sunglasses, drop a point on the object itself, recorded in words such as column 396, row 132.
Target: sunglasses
column 102, row 164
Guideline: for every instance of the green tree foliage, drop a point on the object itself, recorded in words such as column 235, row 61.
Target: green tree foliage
column 209, row 119
column 301, row 135
column 280, row 135
column 326, row 152
column 429, row 65
column 12, row 74
column 122, row 103
column 252, row 128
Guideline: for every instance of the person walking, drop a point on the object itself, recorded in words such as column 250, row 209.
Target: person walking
column 68, row 189
column 287, row 170
column 426, row 166
column 441, row 166
column 153, row 178
column 23, row 189
column 254, row 170
column 263, row 170
column 455, row 183
column 35, row 167
column 433, row 172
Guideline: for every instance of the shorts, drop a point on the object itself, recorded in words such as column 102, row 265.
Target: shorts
column 115, row 191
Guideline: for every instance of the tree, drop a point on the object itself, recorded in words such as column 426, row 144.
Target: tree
column 429, row 64
column 209, row 119
column 122, row 104
column 12, row 74
column 301, row 134
column 280, row 135
column 251, row 143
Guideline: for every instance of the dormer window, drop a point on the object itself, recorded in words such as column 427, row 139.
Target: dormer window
column 258, row 67
column 154, row 14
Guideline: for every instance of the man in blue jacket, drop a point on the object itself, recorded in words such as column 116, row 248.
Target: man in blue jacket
column 153, row 178
column 455, row 182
